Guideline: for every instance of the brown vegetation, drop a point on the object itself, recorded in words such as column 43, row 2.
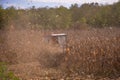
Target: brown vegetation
column 95, row 52
column 92, row 53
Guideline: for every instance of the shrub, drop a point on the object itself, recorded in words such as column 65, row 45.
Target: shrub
column 5, row 74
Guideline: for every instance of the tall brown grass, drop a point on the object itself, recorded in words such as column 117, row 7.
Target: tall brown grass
column 94, row 51
column 91, row 51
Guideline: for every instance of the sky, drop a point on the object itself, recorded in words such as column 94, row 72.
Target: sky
column 49, row 3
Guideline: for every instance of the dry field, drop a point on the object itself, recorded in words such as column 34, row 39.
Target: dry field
column 91, row 54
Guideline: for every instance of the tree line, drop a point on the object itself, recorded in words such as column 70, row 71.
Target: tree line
column 86, row 15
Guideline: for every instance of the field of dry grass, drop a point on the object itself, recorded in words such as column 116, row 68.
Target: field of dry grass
column 91, row 54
